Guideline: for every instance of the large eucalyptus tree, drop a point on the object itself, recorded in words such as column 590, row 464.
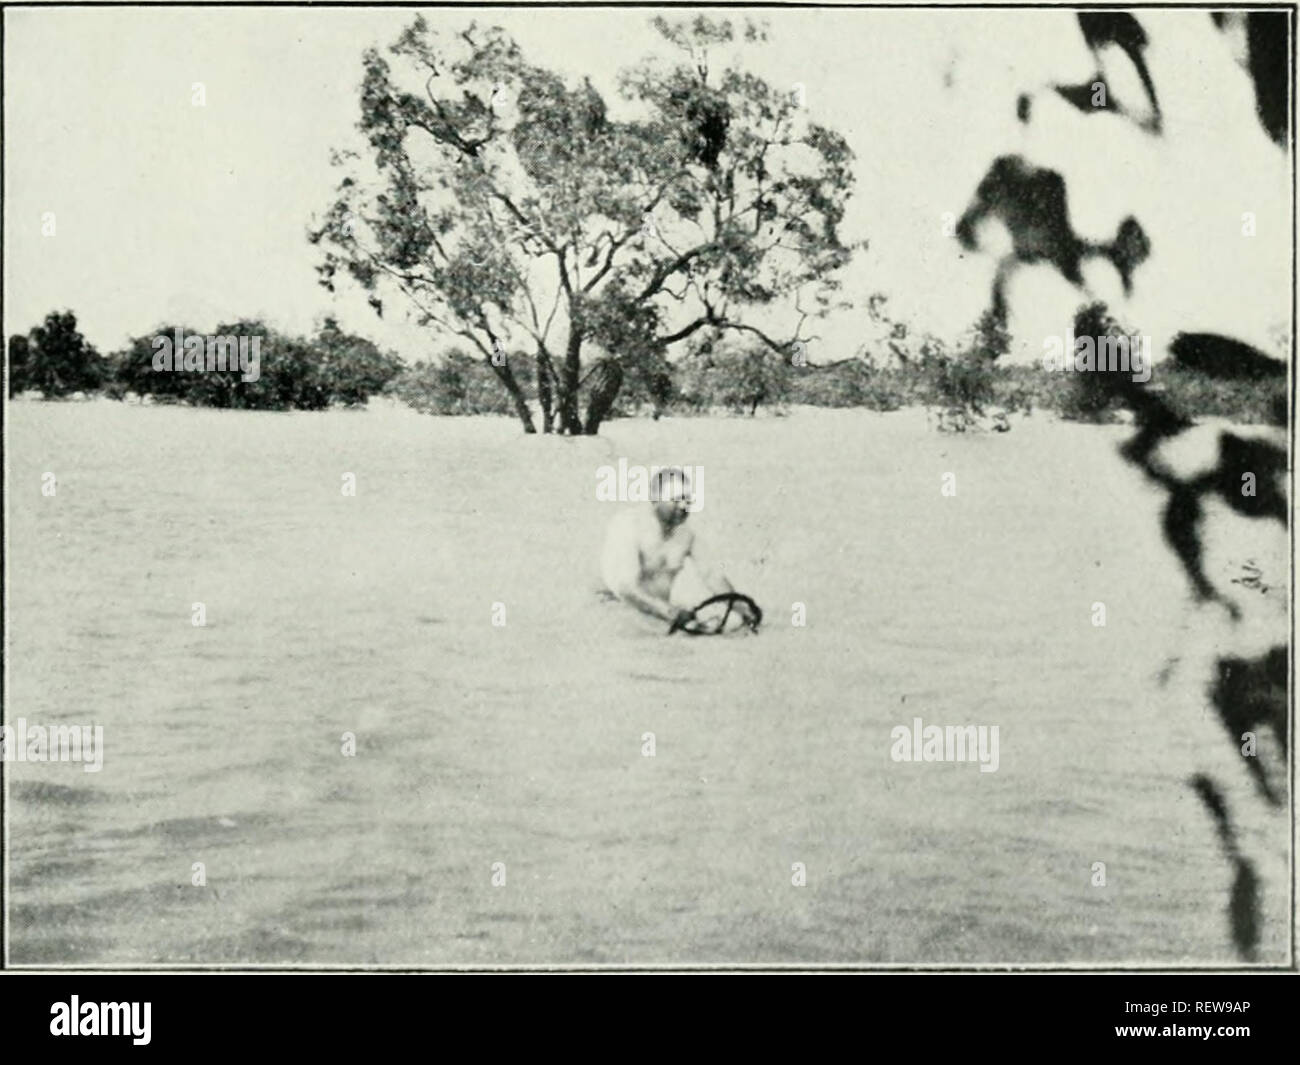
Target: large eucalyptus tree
column 520, row 217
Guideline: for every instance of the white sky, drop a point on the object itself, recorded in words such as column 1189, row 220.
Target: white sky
column 166, row 211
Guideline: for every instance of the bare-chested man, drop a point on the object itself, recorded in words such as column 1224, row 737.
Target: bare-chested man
column 648, row 559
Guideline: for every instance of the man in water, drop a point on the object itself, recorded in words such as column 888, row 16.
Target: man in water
column 648, row 559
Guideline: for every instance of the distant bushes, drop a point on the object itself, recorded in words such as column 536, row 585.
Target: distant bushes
column 1192, row 393
column 458, row 383
column 854, row 383
column 739, row 379
column 964, row 385
column 1079, row 397
column 968, row 387
column 332, row 368
column 55, row 359
column 243, row 365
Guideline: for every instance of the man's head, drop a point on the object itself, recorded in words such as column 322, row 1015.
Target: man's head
column 670, row 495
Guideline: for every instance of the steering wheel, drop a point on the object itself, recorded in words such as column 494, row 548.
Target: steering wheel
column 693, row 626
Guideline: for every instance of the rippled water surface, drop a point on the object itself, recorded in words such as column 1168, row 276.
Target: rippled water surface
column 522, row 744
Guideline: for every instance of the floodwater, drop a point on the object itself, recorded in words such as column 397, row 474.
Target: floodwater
column 501, row 805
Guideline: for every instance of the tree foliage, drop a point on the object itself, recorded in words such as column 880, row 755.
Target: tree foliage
column 294, row 373
column 456, row 384
column 738, row 376
column 514, row 212
column 55, row 359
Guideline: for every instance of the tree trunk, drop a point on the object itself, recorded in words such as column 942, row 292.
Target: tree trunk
column 607, row 379
column 569, row 418
column 546, row 388
column 521, row 409
column 507, row 378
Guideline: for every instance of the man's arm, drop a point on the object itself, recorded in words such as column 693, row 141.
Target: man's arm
column 620, row 567
column 651, row 604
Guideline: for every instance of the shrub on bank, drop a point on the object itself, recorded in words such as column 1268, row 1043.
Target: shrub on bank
column 245, row 365
column 55, row 359
column 457, row 384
